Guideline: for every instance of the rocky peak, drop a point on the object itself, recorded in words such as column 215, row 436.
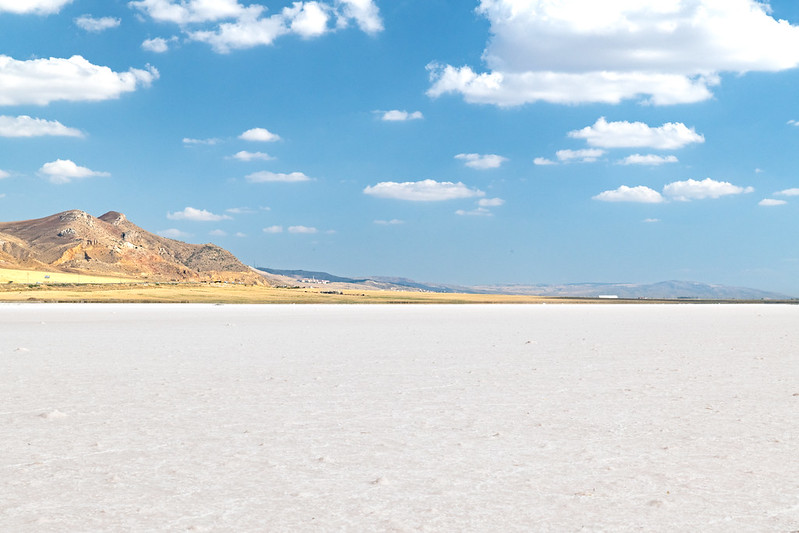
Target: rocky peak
column 113, row 217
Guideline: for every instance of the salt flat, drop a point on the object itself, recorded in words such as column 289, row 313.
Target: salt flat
column 399, row 418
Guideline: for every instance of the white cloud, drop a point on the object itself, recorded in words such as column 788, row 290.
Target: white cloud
column 244, row 155
column 159, row 45
column 241, row 210
column 649, row 159
column 793, row 122
column 38, row 7
column 788, row 192
column 4, row 174
column 193, row 11
column 482, row 161
column 543, row 161
column 307, row 19
column 302, row 229
column 588, row 155
column 699, row 190
column 477, row 212
column 639, row 194
column 265, row 176
column 96, row 25
column 392, row 222
column 246, row 32
column 2, row 195
column 623, row 134
column 196, row 215
column 25, row 126
column 274, row 229
column 651, row 220
column 42, row 81
column 259, row 135
column 578, row 51
column 490, row 202
column 209, row 142
column 173, row 233
column 218, row 233
column 228, row 25
column 770, row 202
column 240, row 235
column 65, row 171
column 395, row 115
column 422, row 191
column 365, row 14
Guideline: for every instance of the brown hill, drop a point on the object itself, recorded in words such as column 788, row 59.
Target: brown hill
column 74, row 241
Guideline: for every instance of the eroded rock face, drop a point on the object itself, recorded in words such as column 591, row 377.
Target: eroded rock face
column 112, row 245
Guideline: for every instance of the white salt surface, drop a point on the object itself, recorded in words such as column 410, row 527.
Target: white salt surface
column 399, row 418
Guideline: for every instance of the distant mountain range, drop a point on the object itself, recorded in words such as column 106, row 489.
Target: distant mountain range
column 660, row 290
column 110, row 245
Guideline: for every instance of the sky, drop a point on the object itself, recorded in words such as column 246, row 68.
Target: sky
column 451, row 141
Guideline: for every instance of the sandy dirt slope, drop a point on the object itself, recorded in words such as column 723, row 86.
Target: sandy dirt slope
column 399, row 418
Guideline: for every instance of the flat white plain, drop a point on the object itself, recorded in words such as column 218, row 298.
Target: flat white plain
column 399, row 418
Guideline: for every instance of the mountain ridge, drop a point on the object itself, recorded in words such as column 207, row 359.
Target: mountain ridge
column 77, row 242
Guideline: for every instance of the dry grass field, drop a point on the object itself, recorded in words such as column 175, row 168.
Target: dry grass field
column 229, row 293
column 16, row 276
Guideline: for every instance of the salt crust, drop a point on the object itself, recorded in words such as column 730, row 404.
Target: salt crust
column 399, row 418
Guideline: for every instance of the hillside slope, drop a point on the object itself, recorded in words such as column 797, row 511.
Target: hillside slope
column 75, row 241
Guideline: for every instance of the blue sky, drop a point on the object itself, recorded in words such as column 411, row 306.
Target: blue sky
column 493, row 141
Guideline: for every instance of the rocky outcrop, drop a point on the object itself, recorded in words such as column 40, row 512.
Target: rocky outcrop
column 75, row 241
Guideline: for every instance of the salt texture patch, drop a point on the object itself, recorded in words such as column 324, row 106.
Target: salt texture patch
column 400, row 418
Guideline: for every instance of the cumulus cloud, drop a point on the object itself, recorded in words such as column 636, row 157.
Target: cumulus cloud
column 302, row 229
column 681, row 191
column 580, row 51
column 25, row 126
column 395, row 115
column 770, row 202
column 193, row 11
column 639, row 194
column 273, row 229
column 259, row 135
column 651, row 220
column 218, row 233
column 422, row 191
column 42, row 81
column 699, row 190
column 588, row 155
column 159, row 45
column 244, row 155
column 96, row 25
column 307, row 19
column 392, row 222
column 228, row 25
column 173, row 233
column 265, row 176
column 37, row 7
column 4, row 174
column 649, row 159
column 196, row 215
column 65, row 171
column 543, row 161
column 481, row 161
column 364, row 13
column 623, row 134
column 788, row 192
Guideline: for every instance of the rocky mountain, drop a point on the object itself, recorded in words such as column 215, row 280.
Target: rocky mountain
column 111, row 245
